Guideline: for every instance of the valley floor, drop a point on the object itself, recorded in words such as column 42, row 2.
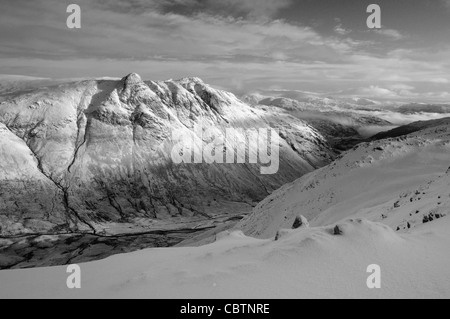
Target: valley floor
column 43, row 250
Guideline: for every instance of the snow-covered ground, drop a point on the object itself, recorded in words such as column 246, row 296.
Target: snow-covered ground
column 303, row 263
column 396, row 181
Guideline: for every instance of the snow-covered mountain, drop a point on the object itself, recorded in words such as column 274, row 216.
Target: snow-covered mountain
column 402, row 182
column 95, row 157
column 413, row 108
column 384, row 202
column 308, row 101
column 343, row 122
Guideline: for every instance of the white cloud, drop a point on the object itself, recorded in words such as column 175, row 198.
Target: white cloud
column 376, row 91
column 339, row 29
column 439, row 80
column 391, row 33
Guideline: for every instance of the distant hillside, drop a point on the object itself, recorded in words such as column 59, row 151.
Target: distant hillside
column 411, row 128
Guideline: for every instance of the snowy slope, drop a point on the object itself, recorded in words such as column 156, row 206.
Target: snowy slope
column 396, row 181
column 411, row 128
column 303, row 263
column 23, row 187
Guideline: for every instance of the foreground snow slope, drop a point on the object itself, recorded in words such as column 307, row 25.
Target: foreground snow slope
column 303, row 263
column 401, row 182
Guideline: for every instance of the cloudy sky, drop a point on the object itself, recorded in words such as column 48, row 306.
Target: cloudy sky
column 239, row 45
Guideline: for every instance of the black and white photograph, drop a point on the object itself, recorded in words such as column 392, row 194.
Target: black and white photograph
column 219, row 153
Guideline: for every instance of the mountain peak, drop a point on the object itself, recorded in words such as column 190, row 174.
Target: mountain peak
column 132, row 78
